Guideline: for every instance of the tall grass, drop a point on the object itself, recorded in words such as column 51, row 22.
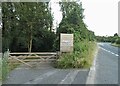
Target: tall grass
column 5, row 65
column 82, row 57
column 0, row 67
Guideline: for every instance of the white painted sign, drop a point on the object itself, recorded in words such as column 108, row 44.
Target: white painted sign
column 66, row 42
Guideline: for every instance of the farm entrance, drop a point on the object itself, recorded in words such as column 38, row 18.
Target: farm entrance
column 36, row 57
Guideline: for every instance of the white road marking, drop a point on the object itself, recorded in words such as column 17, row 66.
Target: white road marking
column 69, row 77
column 22, row 68
column 101, row 44
column 109, row 51
column 91, row 74
column 38, row 79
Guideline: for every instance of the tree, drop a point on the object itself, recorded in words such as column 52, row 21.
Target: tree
column 23, row 22
column 118, row 40
column 115, row 34
column 72, row 22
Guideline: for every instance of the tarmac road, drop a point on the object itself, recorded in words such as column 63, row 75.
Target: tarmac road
column 47, row 75
column 105, row 68
column 104, row 71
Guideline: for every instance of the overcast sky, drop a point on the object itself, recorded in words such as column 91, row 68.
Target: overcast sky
column 101, row 16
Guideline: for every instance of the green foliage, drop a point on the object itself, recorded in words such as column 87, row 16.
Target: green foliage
column 112, row 39
column 56, row 44
column 115, row 35
column 72, row 22
column 27, row 26
column 118, row 40
column 5, row 65
column 44, row 43
column 0, row 69
column 82, row 56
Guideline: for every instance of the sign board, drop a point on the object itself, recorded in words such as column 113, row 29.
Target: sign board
column 66, row 42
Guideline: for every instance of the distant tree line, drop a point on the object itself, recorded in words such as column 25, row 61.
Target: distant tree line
column 112, row 39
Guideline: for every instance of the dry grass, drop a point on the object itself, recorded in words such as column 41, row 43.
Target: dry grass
column 91, row 54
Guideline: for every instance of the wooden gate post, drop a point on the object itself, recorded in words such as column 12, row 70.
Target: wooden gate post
column 58, row 54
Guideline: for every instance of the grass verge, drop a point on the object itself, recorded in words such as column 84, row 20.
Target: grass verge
column 82, row 57
column 6, row 67
column 116, row 45
column 0, row 69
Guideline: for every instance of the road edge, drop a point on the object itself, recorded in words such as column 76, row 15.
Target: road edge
column 91, row 74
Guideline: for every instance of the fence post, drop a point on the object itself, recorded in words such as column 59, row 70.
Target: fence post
column 8, row 52
column 58, row 54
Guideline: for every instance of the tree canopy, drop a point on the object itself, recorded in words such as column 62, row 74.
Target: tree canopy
column 72, row 22
column 27, row 26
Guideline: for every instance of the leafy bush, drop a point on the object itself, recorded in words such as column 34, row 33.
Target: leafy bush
column 72, row 22
column 82, row 56
column 118, row 41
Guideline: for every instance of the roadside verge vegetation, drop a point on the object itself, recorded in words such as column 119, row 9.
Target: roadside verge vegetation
column 27, row 27
column 6, row 66
column 35, row 33
column 84, row 39
column 78, row 59
column 0, row 69
column 117, row 42
column 114, row 40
